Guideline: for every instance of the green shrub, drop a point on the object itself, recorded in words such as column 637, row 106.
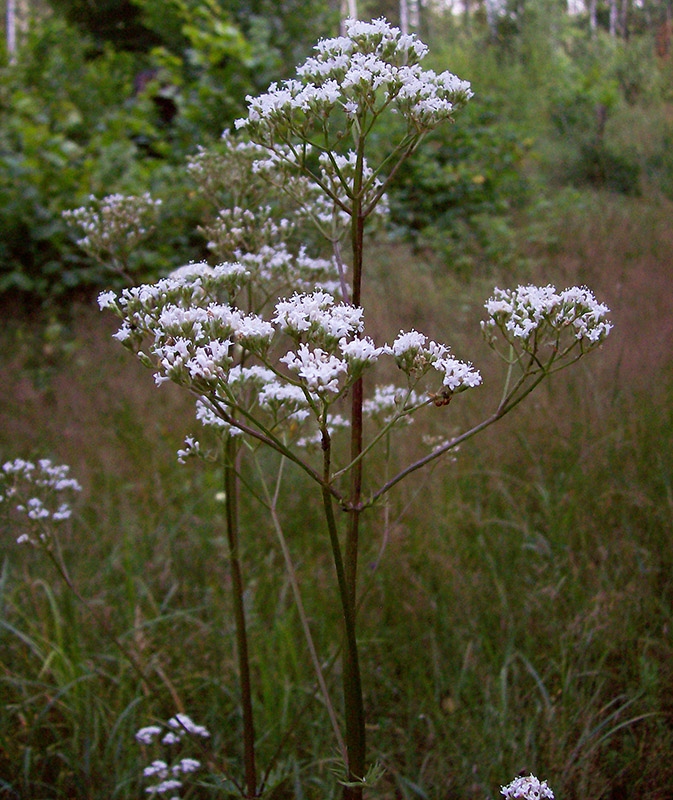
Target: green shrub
column 457, row 193
column 72, row 125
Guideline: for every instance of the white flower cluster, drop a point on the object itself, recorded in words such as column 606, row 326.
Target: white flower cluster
column 527, row 787
column 276, row 266
column 170, row 774
column 36, row 492
column 228, row 164
column 117, row 222
column 316, row 316
column 389, row 403
column 230, row 360
column 415, row 355
column 373, row 66
column 531, row 315
column 264, row 206
column 237, row 230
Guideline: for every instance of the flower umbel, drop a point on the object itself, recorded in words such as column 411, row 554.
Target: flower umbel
column 169, row 771
column 37, row 496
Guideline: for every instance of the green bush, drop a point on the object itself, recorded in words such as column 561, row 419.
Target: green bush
column 72, row 125
column 457, row 193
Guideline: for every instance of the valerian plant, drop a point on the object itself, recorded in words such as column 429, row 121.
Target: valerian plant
column 273, row 344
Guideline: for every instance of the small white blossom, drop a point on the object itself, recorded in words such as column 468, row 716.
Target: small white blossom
column 107, row 300
column 158, row 768
column 360, row 351
column 185, row 765
column 164, row 786
column 192, row 448
column 527, row 788
column 146, row 735
column 180, row 728
column 36, row 493
column 389, row 402
column 320, row 370
column 184, row 723
column 192, row 271
column 457, row 374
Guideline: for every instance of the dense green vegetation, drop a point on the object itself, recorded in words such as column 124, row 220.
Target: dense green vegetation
column 521, row 613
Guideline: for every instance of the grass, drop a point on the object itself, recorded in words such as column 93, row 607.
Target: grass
column 520, row 617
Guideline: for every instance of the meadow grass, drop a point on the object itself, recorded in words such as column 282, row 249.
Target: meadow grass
column 518, row 607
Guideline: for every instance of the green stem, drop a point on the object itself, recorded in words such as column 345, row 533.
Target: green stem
column 505, row 407
column 352, row 685
column 355, row 726
column 231, row 491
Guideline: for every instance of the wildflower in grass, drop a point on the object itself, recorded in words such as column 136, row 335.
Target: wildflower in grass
column 527, row 787
column 181, row 723
column 171, row 769
column 147, row 735
column 36, row 495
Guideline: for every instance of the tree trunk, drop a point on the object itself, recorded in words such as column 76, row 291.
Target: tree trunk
column 349, row 10
column 593, row 22
column 11, row 30
column 613, row 18
column 404, row 17
column 414, row 15
column 623, row 21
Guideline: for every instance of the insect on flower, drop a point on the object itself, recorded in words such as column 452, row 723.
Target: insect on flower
column 442, row 398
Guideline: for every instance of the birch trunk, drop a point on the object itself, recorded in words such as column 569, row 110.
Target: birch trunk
column 11, row 30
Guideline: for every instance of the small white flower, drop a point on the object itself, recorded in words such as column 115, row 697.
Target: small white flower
column 158, row 768
column 183, row 723
column 107, row 300
column 146, row 735
column 164, row 786
column 185, row 765
column 527, row 788
column 319, row 369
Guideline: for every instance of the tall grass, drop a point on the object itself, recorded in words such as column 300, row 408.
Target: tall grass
column 518, row 609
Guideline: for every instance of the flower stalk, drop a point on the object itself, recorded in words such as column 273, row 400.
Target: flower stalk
column 231, row 505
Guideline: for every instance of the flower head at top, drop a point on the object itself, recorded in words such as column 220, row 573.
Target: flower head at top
column 372, row 67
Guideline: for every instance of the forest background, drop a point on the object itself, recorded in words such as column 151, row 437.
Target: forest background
column 521, row 617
